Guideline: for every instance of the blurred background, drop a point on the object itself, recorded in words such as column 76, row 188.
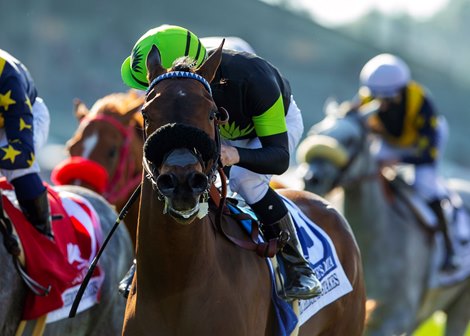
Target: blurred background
column 75, row 49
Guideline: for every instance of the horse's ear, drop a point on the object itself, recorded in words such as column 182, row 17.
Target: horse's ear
column 330, row 106
column 154, row 64
column 209, row 67
column 132, row 112
column 79, row 109
column 136, row 100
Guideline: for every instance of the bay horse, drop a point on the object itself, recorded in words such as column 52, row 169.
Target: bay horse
column 105, row 152
column 398, row 254
column 190, row 279
column 106, row 317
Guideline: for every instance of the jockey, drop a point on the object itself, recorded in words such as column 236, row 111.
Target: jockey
column 24, row 127
column 231, row 42
column 410, row 130
column 264, row 128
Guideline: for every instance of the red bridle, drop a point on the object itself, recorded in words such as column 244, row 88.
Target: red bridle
column 113, row 191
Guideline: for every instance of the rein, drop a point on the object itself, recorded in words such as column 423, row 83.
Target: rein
column 113, row 191
column 263, row 249
column 135, row 195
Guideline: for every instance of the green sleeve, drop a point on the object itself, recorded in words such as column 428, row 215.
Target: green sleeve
column 271, row 122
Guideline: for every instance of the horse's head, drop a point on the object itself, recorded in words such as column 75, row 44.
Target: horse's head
column 182, row 148
column 329, row 154
column 102, row 153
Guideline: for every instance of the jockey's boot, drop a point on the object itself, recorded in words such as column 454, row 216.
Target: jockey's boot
column 38, row 213
column 301, row 282
column 449, row 263
column 126, row 282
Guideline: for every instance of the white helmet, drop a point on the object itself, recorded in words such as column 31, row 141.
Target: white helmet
column 385, row 75
column 231, row 42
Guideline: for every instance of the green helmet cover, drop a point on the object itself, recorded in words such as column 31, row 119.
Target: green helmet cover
column 173, row 42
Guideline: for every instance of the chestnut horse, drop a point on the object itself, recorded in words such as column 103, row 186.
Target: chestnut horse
column 190, row 279
column 106, row 151
column 104, row 318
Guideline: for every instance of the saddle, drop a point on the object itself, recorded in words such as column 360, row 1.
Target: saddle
column 320, row 252
column 52, row 269
column 458, row 228
column 454, row 210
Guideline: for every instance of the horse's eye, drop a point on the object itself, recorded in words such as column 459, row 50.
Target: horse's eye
column 112, row 152
column 349, row 142
column 213, row 114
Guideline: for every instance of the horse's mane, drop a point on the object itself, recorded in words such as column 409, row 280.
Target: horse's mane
column 184, row 63
column 119, row 103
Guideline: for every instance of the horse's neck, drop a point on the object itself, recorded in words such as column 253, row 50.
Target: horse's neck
column 167, row 251
column 365, row 198
column 365, row 204
column 386, row 231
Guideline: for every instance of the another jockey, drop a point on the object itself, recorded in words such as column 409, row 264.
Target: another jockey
column 411, row 131
column 24, row 127
column 264, row 128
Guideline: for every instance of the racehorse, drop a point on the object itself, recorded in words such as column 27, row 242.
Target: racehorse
column 190, row 279
column 106, row 151
column 106, row 317
column 396, row 249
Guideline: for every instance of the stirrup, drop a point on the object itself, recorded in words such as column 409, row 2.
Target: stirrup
column 301, row 284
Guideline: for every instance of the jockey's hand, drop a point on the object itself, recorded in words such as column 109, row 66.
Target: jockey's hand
column 229, row 155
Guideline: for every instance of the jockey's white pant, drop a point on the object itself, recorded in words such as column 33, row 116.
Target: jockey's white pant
column 253, row 186
column 426, row 181
column 41, row 122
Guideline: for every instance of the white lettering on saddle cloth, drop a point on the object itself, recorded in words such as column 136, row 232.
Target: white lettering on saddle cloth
column 322, row 256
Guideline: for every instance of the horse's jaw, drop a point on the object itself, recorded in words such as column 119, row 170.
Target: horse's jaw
column 186, row 217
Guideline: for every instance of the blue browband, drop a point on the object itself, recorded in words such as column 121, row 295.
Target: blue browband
column 180, row 74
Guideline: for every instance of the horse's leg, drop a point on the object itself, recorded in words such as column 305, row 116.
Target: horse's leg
column 458, row 313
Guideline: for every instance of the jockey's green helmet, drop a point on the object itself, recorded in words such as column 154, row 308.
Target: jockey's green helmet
column 385, row 75
column 173, row 42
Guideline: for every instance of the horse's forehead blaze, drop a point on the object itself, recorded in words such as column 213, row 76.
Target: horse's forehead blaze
column 89, row 144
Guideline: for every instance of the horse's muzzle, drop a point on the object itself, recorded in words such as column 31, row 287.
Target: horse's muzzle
column 168, row 183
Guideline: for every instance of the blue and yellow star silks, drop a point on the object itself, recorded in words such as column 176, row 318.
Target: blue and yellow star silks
column 17, row 96
column 10, row 153
column 6, row 101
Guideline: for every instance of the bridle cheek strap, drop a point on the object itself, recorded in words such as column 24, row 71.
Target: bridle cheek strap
column 126, row 169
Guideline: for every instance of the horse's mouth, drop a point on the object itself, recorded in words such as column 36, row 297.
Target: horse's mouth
column 184, row 216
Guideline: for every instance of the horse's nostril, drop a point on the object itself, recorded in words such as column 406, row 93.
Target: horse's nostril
column 198, row 182
column 166, row 183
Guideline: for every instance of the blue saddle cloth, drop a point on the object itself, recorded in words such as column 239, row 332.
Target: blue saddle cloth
column 286, row 317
